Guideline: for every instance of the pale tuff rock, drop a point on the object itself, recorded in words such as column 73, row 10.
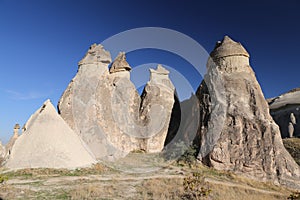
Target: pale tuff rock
column 11, row 142
column 107, row 112
column 131, row 122
column 48, row 142
column 96, row 54
column 90, row 69
column 291, row 129
column 157, row 104
column 248, row 141
column 2, row 150
column 293, row 118
column 285, row 109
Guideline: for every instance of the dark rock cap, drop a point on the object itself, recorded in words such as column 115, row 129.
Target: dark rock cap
column 228, row 47
column 120, row 64
column 17, row 126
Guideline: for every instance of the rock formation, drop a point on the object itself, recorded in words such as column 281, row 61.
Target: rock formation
column 236, row 131
column 156, row 109
column 105, row 109
column 48, row 142
column 285, row 109
column 2, row 153
column 11, row 141
column 291, row 129
column 293, row 119
column 93, row 66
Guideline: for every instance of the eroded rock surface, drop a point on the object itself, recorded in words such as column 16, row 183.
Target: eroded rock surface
column 236, row 130
column 2, row 153
column 48, row 142
column 105, row 109
column 285, row 110
column 8, row 147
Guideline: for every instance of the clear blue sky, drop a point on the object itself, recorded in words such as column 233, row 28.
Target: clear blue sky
column 41, row 42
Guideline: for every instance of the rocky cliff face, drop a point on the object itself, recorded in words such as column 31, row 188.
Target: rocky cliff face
column 236, row 131
column 48, row 142
column 285, row 110
column 105, row 109
column 2, row 153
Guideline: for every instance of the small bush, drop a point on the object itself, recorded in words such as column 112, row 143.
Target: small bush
column 195, row 188
column 294, row 196
column 3, row 178
column 189, row 156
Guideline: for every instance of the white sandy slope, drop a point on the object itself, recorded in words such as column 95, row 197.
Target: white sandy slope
column 285, row 99
column 49, row 142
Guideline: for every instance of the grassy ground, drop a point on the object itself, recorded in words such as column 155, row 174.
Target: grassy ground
column 293, row 147
column 101, row 182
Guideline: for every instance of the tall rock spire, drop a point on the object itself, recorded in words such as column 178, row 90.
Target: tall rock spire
column 236, row 131
column 106, row 111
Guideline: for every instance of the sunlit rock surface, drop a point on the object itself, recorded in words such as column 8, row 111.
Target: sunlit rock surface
column 48, row 142
column 236, row 130
column 104, row 108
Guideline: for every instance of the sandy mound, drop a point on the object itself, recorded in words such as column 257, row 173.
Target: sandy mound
column 48, row 142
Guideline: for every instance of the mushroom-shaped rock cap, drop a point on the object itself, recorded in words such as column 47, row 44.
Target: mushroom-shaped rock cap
column 17, row 126
column 228, row 47
column 120, row 64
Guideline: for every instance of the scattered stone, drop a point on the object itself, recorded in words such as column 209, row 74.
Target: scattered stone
column 236, row 130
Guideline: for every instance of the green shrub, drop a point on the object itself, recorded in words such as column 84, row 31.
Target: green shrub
column 3, row 178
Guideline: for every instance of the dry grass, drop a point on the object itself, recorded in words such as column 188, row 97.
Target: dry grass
column 91, row 191
column 36, row 173
column 236, row 193
column 161, row 189
column 98, row 182
column 293, row 147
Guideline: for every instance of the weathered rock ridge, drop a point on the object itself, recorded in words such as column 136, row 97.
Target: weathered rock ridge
column 48, row 142
column 236, row 131
column 104, row 108
column 285, row 110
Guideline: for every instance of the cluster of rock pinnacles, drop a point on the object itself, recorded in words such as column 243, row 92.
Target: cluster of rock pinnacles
column 102, row 116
